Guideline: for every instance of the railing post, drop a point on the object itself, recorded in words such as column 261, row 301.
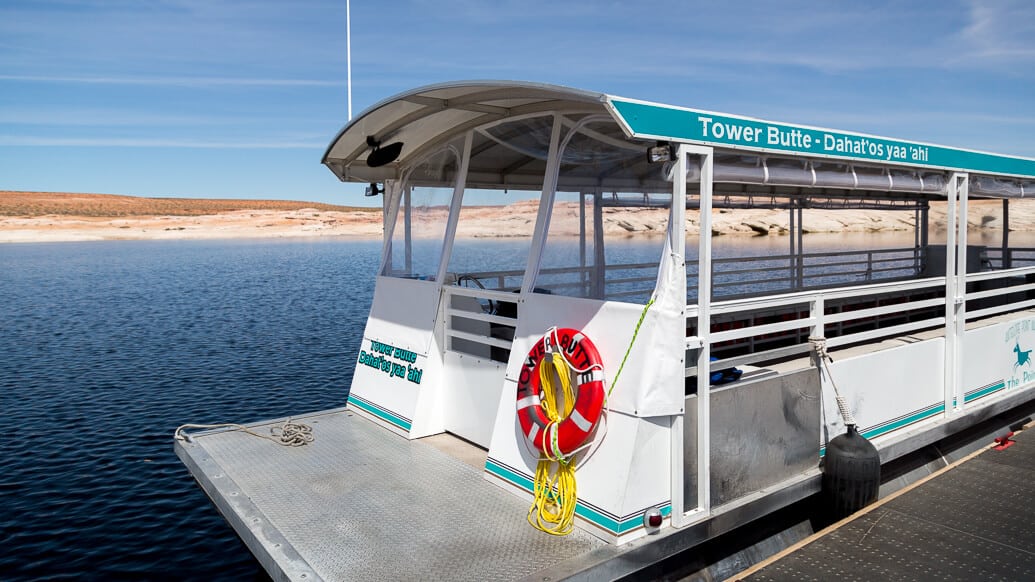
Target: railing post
column 955, row 288
column 817, row 306
column 1007, row 259
column 801, row 246
column 704, row 318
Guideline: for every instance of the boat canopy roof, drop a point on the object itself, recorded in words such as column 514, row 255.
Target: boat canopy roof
column 513, row 145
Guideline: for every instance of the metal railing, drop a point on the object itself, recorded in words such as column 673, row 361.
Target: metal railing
column 773, row 328
column 740, row 276
column 476, row 322
column 1000, row 258
column 768, row 329
column 994, row 292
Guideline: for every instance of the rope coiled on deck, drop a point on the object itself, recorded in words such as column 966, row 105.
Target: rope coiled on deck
column 287, row 433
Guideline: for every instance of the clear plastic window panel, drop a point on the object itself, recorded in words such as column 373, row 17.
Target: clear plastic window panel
column 605, row 246
column 420, row 226
column 493, row 237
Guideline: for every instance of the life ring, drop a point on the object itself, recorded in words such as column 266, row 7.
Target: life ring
column 559, row 439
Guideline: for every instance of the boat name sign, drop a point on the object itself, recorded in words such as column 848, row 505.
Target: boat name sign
column 673, row 123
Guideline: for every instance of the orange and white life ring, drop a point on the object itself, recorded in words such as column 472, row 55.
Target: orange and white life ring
column 560, row 438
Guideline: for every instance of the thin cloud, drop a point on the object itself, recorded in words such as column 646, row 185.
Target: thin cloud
column 175, row 81
column 35, row 141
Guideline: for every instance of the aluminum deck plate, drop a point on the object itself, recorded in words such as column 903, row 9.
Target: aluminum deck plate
column 975, row 521
column 360, row 504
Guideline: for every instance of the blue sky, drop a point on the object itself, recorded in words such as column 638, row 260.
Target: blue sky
column 239, row 99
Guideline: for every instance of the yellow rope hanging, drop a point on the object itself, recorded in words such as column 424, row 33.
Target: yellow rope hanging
column 555, row 496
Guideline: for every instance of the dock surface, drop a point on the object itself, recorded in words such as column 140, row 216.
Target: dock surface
column 360, row 504
column 975, row 520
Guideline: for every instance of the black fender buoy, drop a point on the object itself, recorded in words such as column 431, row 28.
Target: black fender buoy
column 851, row 475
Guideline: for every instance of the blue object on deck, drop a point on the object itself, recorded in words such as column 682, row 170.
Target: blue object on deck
column 725, row 376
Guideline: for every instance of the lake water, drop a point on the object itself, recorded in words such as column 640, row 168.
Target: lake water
column 107, row 347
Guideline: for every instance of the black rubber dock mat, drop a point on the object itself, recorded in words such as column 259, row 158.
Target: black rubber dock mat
column 975, row 521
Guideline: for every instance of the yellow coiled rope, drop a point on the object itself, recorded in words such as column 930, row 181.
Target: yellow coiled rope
column 555, row 496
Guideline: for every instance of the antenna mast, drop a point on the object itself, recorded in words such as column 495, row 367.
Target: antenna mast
column 348, row 53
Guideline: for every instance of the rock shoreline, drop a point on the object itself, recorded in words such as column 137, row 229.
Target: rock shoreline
column 514, row 220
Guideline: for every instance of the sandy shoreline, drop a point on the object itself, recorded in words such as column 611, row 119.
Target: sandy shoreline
column 514, row 220
column 226, row 225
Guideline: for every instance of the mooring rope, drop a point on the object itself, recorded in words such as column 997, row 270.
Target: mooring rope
column 819, row 344
column 287, row 433
column 636, row 332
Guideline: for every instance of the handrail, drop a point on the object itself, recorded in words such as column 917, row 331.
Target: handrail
column 508, row 321
column 784, row 299
column 1001, row 273
column 481, row 293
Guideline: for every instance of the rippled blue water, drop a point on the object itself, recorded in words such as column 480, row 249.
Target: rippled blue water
column 106, row 347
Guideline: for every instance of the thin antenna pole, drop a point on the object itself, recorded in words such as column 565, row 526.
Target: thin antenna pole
column 348, row 53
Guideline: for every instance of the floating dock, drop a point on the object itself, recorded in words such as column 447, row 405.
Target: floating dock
column 974, row 520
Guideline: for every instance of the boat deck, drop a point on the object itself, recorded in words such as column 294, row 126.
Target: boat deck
column 360, row 504
column 972, row 521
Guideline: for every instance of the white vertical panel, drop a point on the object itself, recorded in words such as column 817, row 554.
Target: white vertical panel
column 951, row 281
column 677, row 243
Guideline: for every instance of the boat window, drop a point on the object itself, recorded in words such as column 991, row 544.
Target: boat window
column 493, row 237
column 420, row 225
column 569, row 262
column 605, row 245
column 998, row 235
column 765, row 243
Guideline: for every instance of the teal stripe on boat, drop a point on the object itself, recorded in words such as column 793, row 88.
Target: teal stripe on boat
column 587, row 513
column 913, row 418
column 508, row 475
column 923, row 414
column 984, row 392
column 382, row 414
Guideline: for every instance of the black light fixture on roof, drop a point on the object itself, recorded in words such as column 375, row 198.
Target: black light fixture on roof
column 373, row 189
column 382, row 155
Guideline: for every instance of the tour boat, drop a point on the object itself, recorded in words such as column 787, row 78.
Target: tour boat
column 705, row 388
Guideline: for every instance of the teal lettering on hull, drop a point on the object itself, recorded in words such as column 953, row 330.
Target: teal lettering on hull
column 670, row 123
column 404, row 369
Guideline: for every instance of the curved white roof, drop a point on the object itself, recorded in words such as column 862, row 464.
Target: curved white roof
column 428, row 116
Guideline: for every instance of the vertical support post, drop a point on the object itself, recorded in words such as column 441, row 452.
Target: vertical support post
column 677, row 247
column 390, row 208
column 954, row 246
column 817, row 306
column 408, row 229
column 583, row 276
column 793, row 262
column 925, row 240
column 454, row 208
column 704, row 324
column 916, row 241
column 598, row 246
column 960, row 303
column 542, row 222
column 1007, row 261
column 801, row 248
